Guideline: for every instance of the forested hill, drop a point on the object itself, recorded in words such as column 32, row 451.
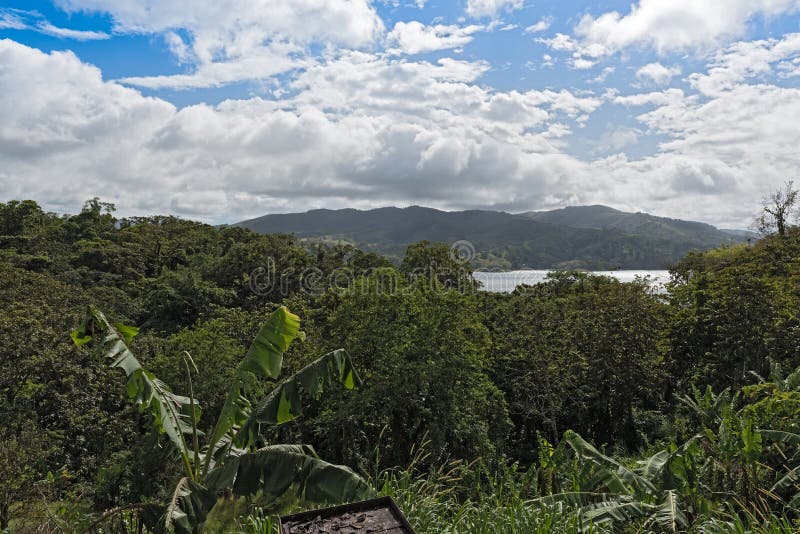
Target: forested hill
column 591, row 237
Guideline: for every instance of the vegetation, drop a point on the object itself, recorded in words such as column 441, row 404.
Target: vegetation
column 581, row 404
column 231, row 462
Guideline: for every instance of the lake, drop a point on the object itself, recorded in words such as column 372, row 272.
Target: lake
column 507, row 281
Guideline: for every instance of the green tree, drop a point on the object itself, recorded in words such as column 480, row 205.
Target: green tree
column 441, row 263
column 578, row 351
column 18, row 217
column 423, row 351
column 734, row 310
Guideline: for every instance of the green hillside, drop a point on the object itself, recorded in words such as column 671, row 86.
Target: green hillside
column 589, row 237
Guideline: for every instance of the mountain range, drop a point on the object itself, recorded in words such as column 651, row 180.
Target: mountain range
column 577, row 237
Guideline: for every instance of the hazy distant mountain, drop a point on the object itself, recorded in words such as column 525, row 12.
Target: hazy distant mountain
column 591, row 237
column 744, row 234
column 603, row 217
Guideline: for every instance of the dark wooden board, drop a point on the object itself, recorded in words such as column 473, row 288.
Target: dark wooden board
column 375, row 516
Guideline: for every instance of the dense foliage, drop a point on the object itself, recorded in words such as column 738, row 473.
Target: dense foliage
column 581, row 403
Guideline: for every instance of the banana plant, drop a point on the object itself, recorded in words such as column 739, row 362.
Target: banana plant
column 610, row 492
column 229, row 462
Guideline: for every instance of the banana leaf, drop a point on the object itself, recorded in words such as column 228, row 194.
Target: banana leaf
column 269, row 473
column 149, row 394
column 263, row 360
column 284, row 403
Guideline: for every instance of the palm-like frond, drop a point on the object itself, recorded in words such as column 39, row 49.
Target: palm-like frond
column 284, row 403
column 263, row 359
column 147, row 392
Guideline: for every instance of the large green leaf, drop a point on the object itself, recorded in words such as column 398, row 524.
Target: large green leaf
column 597, row 508
column 269, row 473
column 263, row 359
column 670, row 513
column 284, row 403
column 188, row 507
column 618, row 494
column 147, row 392
column 620, row 509
column 666, row 470
column 610, row 474
column 277, row 469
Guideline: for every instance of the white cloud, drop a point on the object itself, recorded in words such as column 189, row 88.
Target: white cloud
column 65, row 131
column 582, row 63
column 732, row 142
column 745, row 60
column 234, row 40
column 177, row 46
column 18, row 19
column 491, row 8
column 666, row 26
column 659, row 98
column 262, row 62
column 677, row 24
column 560, row 42
column 604, row 74
column 229, row 26
column 414, row 37
column 362, row 129
column 617, row 138
column 657, row 73
column 789, row 69
column 543, row 25
column 78, row 35
column 11, row 20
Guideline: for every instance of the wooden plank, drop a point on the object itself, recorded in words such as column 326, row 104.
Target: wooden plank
column 376, row 516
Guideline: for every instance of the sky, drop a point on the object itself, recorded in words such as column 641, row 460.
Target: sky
column 229, row 109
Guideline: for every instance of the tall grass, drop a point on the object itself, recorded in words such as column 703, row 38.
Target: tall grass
column 446, row 501
column 473, row 498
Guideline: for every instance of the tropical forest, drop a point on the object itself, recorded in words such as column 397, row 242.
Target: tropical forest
column 164, row 375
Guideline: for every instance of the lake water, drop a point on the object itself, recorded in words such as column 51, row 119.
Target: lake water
column 506, row 282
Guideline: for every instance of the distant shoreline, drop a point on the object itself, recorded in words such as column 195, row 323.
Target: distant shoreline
column 507, row 281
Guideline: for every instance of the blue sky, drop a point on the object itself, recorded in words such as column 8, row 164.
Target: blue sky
column 234, row 108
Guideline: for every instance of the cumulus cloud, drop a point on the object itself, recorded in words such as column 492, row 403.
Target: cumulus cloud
column 491, row 8
column 657, row 73
column 677, row 24
column 789, row 69
column 66, row 132
column 227, row 26
column 666, row 27
column 414, row 37
column 262, row 62
column 744, row 60
column 616, row 138
column 604, row 74
column 363, row 129
column 234, row 40
column 734, row 140
column 561, row 42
